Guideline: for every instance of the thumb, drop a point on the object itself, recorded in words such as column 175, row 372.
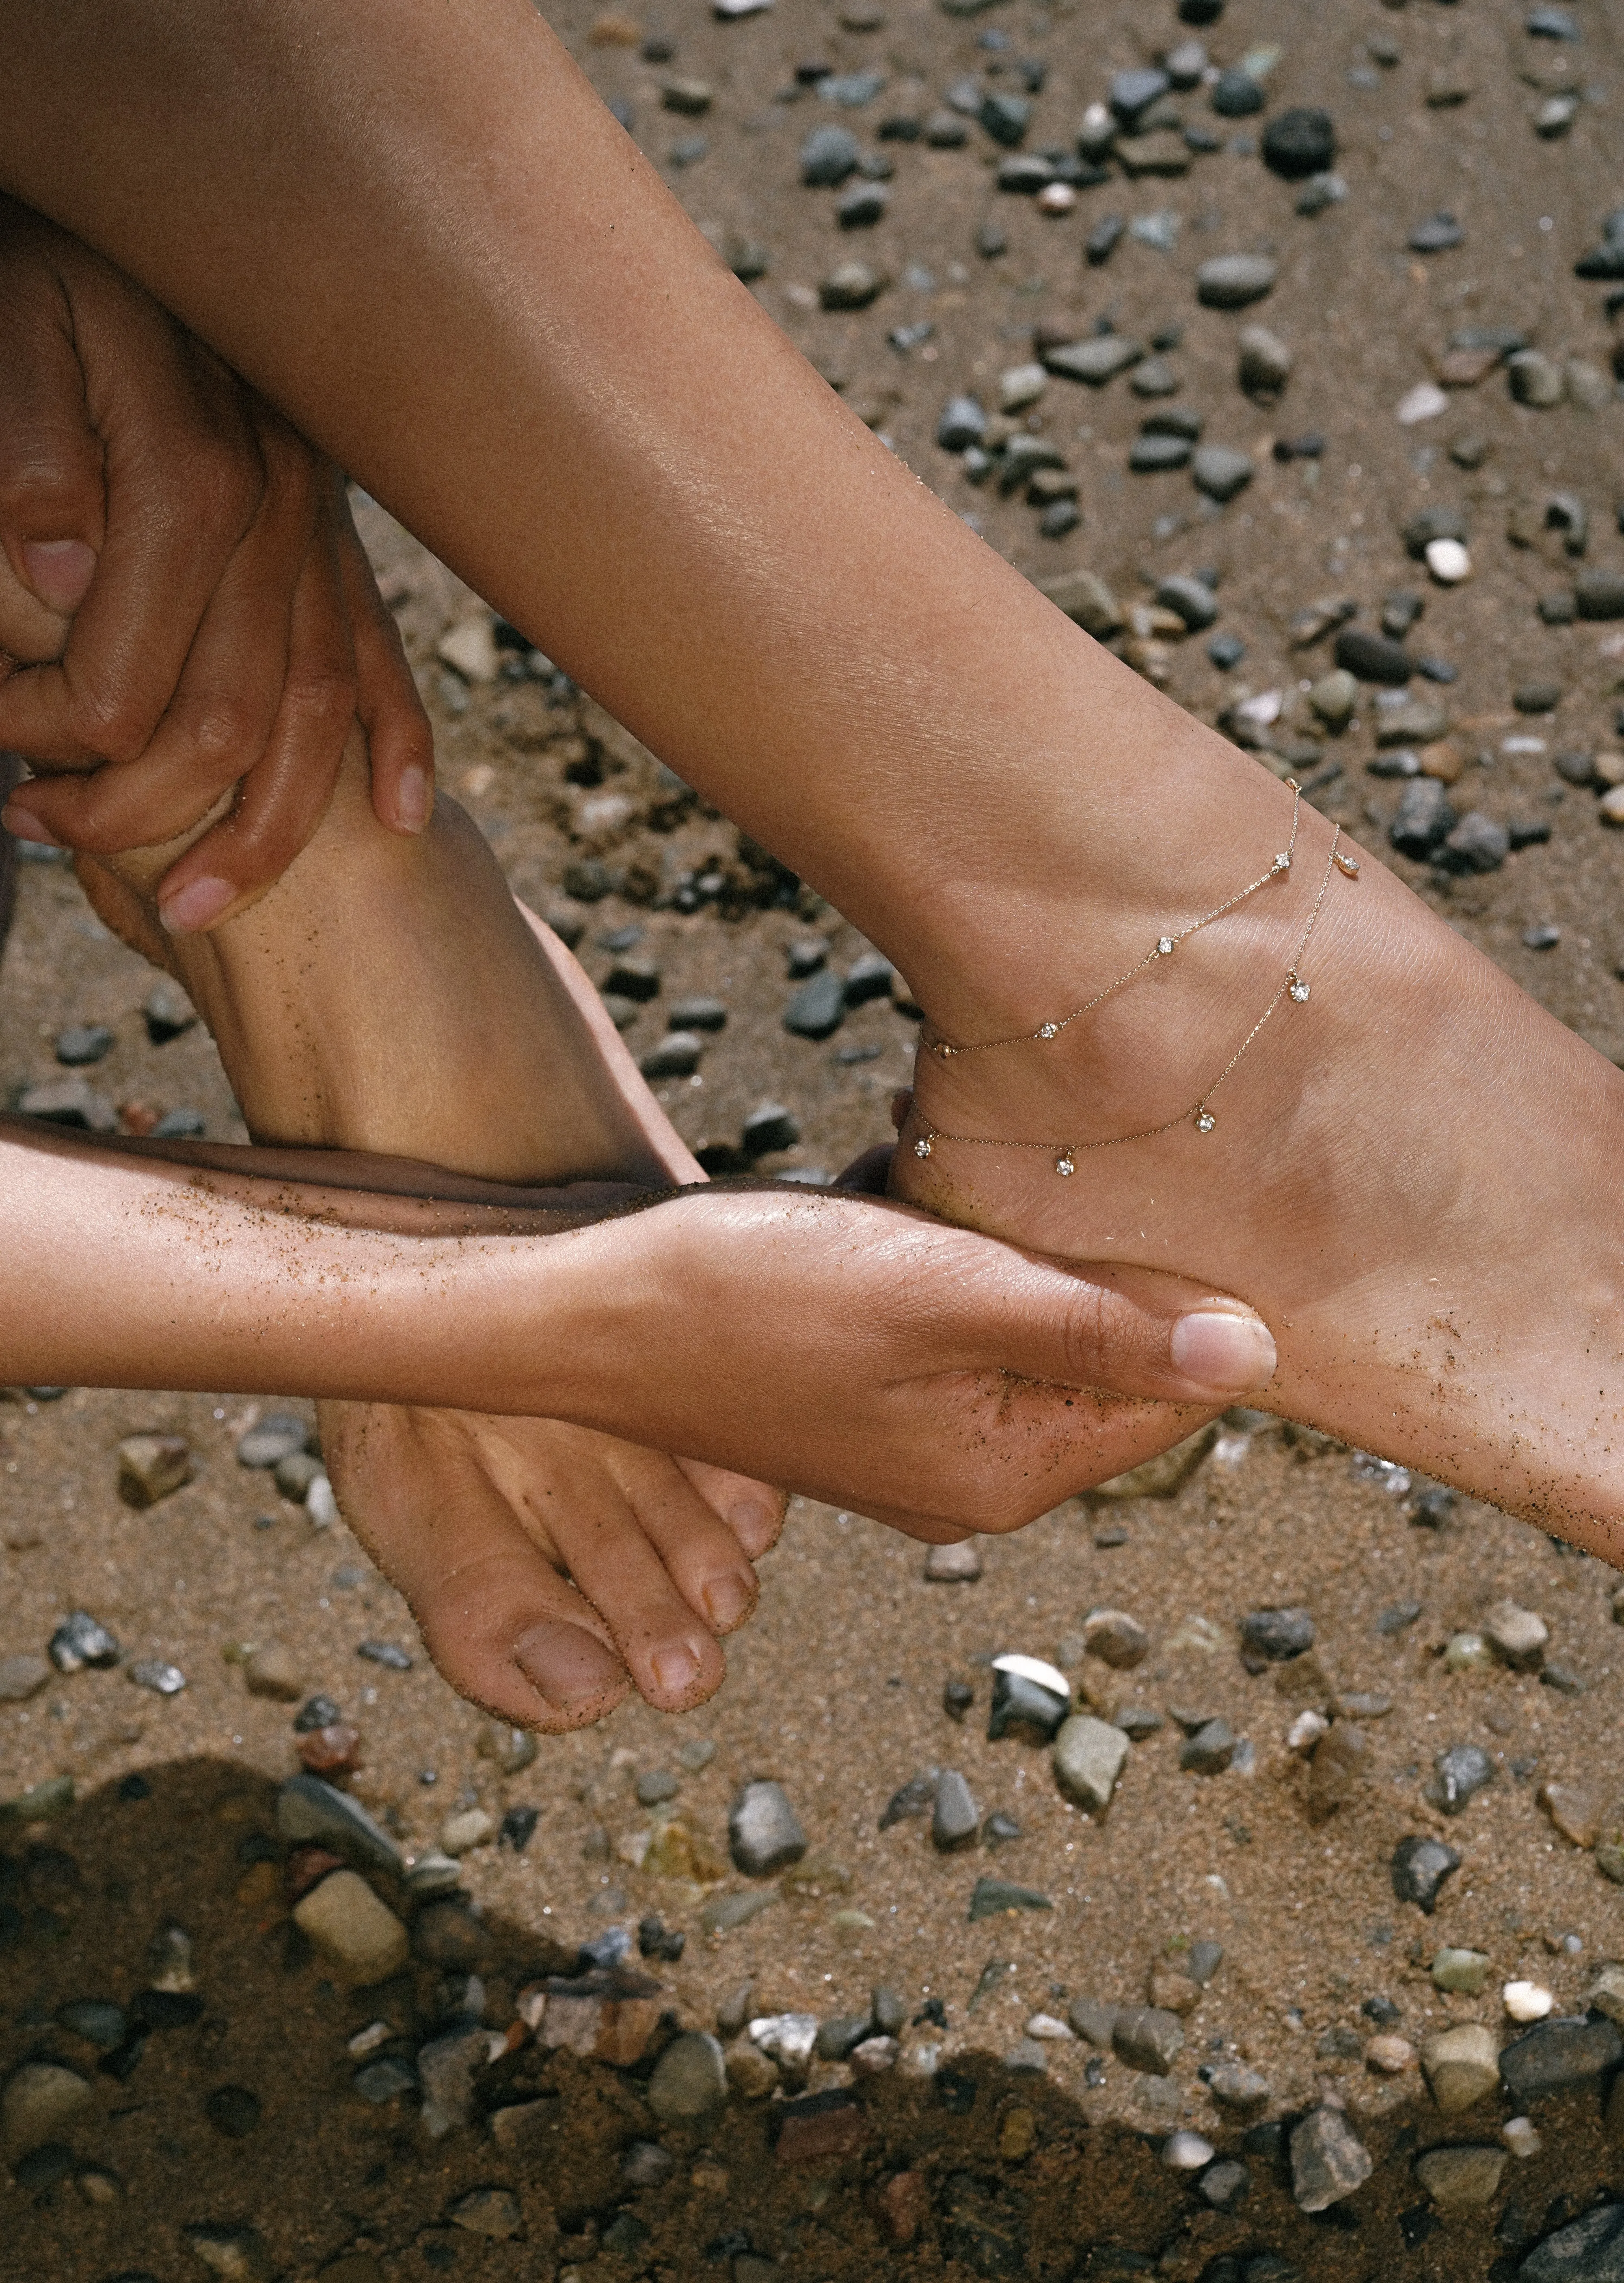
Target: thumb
column 1132, row 1331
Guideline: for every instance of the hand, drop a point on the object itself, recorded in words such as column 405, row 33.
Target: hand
column 184, row 601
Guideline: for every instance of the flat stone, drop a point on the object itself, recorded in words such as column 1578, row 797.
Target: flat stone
column 818, row 1009
column 158, row 1674
column 468, row 1828
column 492, row 2212
column 1461, row 2065
column 1117, row 1639
column 1029, row 1694
column 152, row 1467
column 1599, row 594
column 1265, row 361
column 1373, row 658
column 353, row 1929
column 1586, row 2250
column 1478, row 843
column 307, row 1808
column 1093, row 2021
column 1147, row 2039
column 1329, row 2161
column 81, row 1043
column 1087, row 601
column 271, row 1439
column 1464, row 1971
column 1192, row 599
column 852, row 286
column 725, row 1914
column 828, row 156
column 690, row 2081
column 1220, row 472
column 1420, row 1865
column 1088, row 1757
column 1299, row 143
column 41, row 2102
column 1094, row 360
column 447, row 2068
column 1462, row 2179
column 955, row 1565
column 1276, row 1636
column 1533, row 380
column 764, row 1832
column 71, row 1102
column 989, row 1898
column 1424, row 819
column 963, row 423
column 1558, row 2055
column 1230, row 281
column 22, row 1676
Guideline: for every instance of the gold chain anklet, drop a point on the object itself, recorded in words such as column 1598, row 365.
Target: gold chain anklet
column 1199, row 1114
column 1164, row 945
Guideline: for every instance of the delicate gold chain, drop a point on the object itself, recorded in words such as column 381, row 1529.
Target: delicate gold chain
column 1198, row 1114
column 1164, row 945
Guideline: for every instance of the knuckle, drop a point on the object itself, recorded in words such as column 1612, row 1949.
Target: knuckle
column 223, row 485
column 108, row 720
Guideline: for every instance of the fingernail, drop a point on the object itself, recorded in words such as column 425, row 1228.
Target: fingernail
column 196, row 906
column 1224, row 1351
column 752, row 1515
column 567, row 1664
column 676, row 1668
column 23, row 826
column 411, row 799
column 728, row 1602
column 59, row 570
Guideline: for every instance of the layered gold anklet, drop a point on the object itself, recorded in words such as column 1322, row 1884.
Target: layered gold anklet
column 1199, row 1114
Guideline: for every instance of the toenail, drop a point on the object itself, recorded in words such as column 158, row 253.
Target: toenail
column 728, row 1602
column 567, row 1665
column 1225, row 1352
column 675, row 1668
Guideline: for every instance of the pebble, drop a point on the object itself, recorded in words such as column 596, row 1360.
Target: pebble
column 852, row 286
column 1420, row 1865
column 152, row 1467
column 1238, row 2089
column 1599, row 594
column 1224, row 2185
column 1027, row 1693
column 1461, row 2179
column 1264, row 361
column 1231, row 281
column 1448, row 562
column 956, row 1819
column 1457, row 1775
column 1117, row 1639
column 1389, row 2056
column 956, row 1565
column 491, row 2212
column 1462, row 2066
column 1094, row 360
column 990, row 1899
column 356, row 1932
column 1533, row 380
column 764, row 1832
column 1236, row 94
column 308, row 1809
column 1373, row 658
column 1329, row 2161
column 1424, row 819
column 690, row 2081
column 1558, row 2055
column 1192, row 598
column 40, row 2101
column 1220, row 472
column 1526, row 2001
column 1275, row 1636
column 272, row 1439
column 81, row 1043
column 71, row 1102
column 818, row 1009
column 166, row 1012
column 22, row 1676
column 390, row 1654
column 1147, row 2039
column 769, row 1127
column 1299, row 143
column 157, row 1674
column 1517, row 1636
column 294, row 1475
column 1088, row 1757
column 677, row 1055
column 273, row 1671
column 1186, row 2152
column 470, row 1828
column 1210, row 1750
column 233, row 2110
column 1464, row 1971
column 1438, row 234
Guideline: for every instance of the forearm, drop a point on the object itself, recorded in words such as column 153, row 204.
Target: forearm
column 418, row 230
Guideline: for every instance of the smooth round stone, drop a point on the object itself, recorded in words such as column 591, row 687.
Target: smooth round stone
column 1448, row 562
column 677, row 1055
column 274, row 1437
column 963, row 423
column 1186, row 2152
column 1219, row 472
column 852, row 286
column 40, row 2101
column 1236, row 94
column 1388, row 2055
column 1192, row 599
column 690, row 2080
column 1436, row 235
column 22, row 1676
column 1155, row 456
column 97, row 2020
column 1373, row 658
column 1299, row 143
column 83, row 1043
column 1265, row 364
column 1229, row 281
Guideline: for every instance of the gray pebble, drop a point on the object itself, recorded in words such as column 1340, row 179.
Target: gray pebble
column 956, row 1819
column 916, row 1796
column 276, row 1436
column 1147, row 2039
column 1209, row 1751
column 764, row 1832
column 1155, row 456
column 870, row 977
column 677, row 1056
column 307, row 1808
column 690, row 2081
column 1420, row 1865
column 1329, row 2161
column 818, row 1009
column 1088, row 1757
column 1436, row 235
column 22, row 1676
column 1005, row 117
column 769, row 1127
column 991, row 1898
column 1223, row 2186
column 1236, row 94
column 1277, row 1635
column 83, row 1042
column 1373, row 658
column 1154, row 378
column 1220, row 472
column 166, row 1012
column 390, row 1654
column 654, row 1785
column 71, row 1102
column 81, row 1639
column 1238, row 2089
column 963, row 423
column 1230, row 281
column 1094, row 360
column 1533, row 380
column 97, row 2020
column 1599, row 594
column 1192, row 598
column 1425, row 818
column 1558, row 2055
column 861, row 207
column 164, row 1679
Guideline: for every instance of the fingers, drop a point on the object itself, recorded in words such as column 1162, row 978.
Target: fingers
column 505, row 1629
column 50, row 465
column 399, row 741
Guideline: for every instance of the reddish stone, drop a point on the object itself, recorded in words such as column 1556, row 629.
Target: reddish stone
column 307, row 1867
column 138, row 1117
column 331, row 1751
column 903, row 2203
column 824, row 2125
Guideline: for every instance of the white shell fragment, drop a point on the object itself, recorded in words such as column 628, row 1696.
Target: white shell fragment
column 1526, row 2001
column 1032, row 1668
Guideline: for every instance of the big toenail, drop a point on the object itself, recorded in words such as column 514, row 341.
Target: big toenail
column 728, row 1602
column 567, row 1664
column 1224, row 1351
column 675, row 1668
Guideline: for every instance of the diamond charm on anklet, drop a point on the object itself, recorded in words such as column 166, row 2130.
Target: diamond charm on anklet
column 1064, row 1164
column 1049, row 1030
column 922, row 1147
column 1297, row 988
column 1165, row 946
column 1205, row 1122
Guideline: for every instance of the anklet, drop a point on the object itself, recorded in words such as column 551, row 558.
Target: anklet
column 1164, row 945
column 1293, row 985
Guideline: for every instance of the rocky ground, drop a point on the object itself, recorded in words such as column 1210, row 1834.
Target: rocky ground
column 1289, row 1954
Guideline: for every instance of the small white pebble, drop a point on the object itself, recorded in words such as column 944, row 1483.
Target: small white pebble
column 1448, row 562
column 1389, row 2056
column 1424, row 401
column 1522, row 2136
column 368, row 2040
column 1305, row 1732
column 1186, row 2152
column 1526, row 2001
column 1045, row 2025
column 320, row 1504
column 1057, row 198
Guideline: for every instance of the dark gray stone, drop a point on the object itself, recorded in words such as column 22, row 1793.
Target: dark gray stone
column 817, row 1009
column 991, row 1898
column 1425, row 818
column 1329, row 2161
column 1558, row 2055
column 677, row 1056
column 1299, row 143
column 1220, row 472
column 828, row 156
column 1147, row 2039
column 1209, row 1751
column 1277, row 1635
column 769, row 1127
column 916, row 1796
column 1096, row 361
column 1203, row 1961
column 1478, row 843
column 1433, row 523
column 1005, row 117
column 1588, row 2250
column 1018, row 1701
column 963, row 423
column 764, row 1832
column 274, row 1437
column 81, row 1043
column 696, row 1014
column 1236, row 94
column 1373, row 658
column 1599, row 594
column 861, row 207
column 1134, row 91
column 81, row 1639
column 870, row 977
column 1223, row 2186
column 307, row 1808
column 1420, row 1865
column 1158, row 455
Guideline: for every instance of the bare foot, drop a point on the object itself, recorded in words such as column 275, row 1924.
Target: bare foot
column 1412, row 1172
